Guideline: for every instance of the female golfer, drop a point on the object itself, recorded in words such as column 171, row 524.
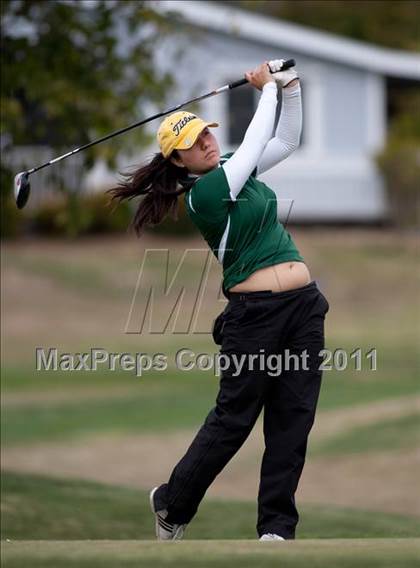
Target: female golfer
column 274, row 307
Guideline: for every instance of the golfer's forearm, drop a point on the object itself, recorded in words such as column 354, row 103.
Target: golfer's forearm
column 288, row 131
column 290, row 121
column 240, row 166
column 261, row 126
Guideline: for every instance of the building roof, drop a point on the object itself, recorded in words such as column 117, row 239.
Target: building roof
column 315, row 43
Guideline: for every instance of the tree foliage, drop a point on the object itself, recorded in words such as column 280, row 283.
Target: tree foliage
column 66, row 77
column 389, row 23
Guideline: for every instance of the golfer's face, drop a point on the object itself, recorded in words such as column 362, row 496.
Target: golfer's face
column 203, row 156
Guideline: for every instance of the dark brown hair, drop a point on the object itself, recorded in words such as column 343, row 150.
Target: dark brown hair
column 158, row 182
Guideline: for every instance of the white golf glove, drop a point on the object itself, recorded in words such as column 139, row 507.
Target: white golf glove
column 282, row 77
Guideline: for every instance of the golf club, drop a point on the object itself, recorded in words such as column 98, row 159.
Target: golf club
column 22, row 186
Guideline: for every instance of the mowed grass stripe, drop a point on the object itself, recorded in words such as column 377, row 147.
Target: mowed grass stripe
column 39, row 507
column 398, row 433
column 347, row 553
column 165, row 404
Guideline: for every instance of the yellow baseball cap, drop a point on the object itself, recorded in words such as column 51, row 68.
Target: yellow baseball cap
column 179, row 131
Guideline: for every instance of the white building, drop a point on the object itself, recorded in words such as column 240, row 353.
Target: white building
column 332, row 175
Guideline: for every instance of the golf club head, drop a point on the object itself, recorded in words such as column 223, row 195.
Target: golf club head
column 21, row 188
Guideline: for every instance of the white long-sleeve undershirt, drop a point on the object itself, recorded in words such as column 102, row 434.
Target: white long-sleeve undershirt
column 259, row 149
column 287, row 136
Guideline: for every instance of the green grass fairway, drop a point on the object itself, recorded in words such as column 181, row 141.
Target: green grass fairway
column 76, row 295
column 346, row 553
column 36, row 507
column 159, row 402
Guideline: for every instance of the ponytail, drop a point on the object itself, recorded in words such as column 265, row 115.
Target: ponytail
column 157, row 181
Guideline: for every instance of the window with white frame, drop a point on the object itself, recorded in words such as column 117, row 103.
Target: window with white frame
column 242, row 103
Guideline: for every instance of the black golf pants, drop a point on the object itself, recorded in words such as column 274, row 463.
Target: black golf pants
column 285, row 332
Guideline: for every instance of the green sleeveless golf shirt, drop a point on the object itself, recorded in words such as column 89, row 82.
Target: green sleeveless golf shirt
column 244, row 234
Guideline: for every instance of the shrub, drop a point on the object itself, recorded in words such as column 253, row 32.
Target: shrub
column 400, row 162
column 72, row 214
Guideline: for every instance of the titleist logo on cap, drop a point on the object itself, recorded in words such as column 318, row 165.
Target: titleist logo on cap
column 178, row 126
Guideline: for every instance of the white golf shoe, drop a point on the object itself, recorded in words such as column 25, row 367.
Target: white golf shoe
column 163, row 529
column 271, row 536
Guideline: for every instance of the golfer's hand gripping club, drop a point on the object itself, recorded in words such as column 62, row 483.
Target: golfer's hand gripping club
column 284, row 66
column 271, row 71
column 282, row 75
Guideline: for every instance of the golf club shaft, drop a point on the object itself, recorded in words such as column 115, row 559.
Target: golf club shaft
column 287, row 64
